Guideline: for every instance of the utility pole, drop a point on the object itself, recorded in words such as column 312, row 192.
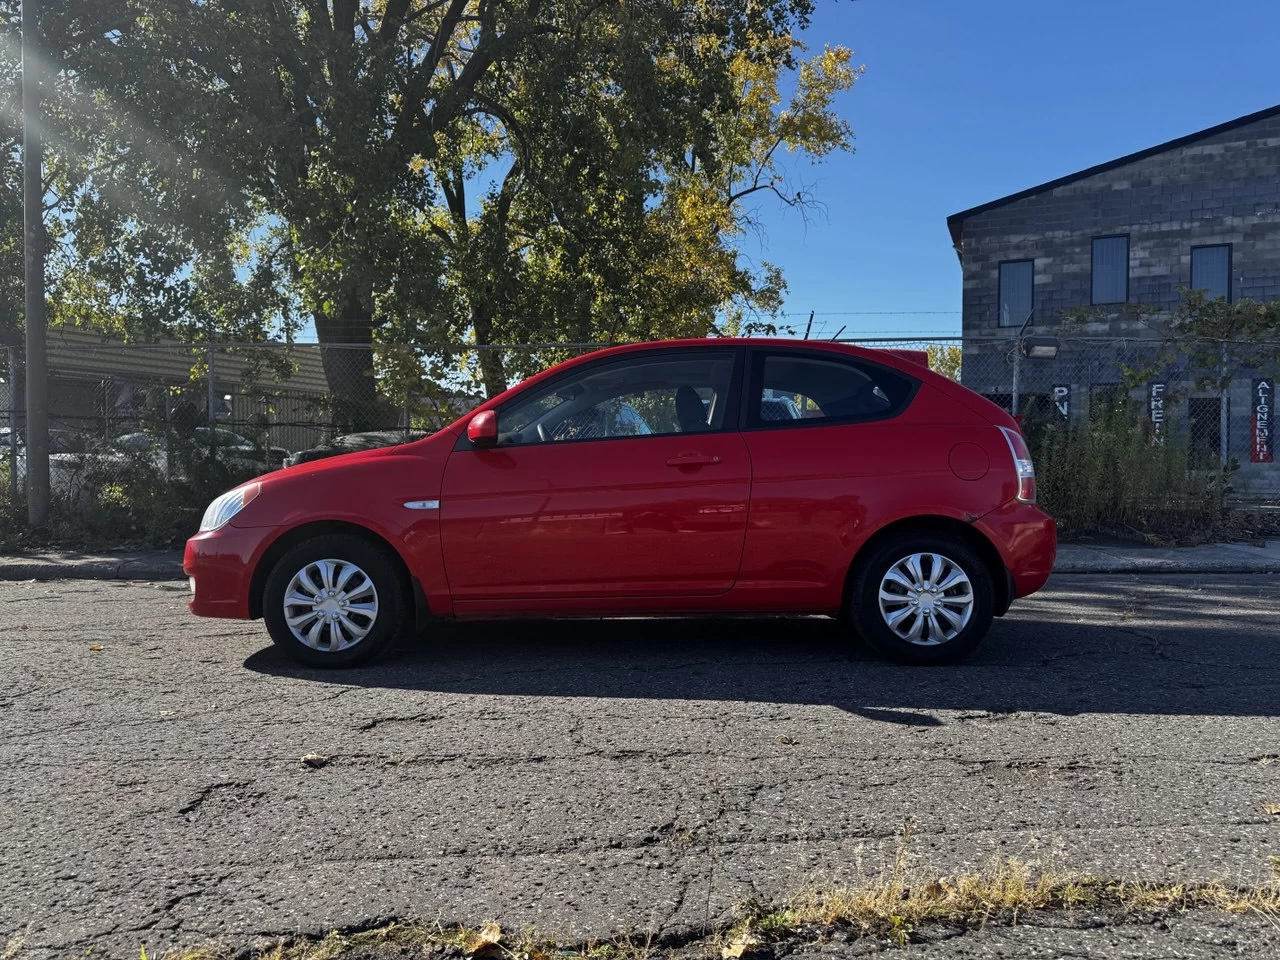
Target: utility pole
column 33, row 261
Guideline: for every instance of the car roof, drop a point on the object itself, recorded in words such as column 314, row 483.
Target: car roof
column 905, row 361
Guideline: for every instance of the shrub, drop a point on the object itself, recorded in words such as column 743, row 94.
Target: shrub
column 1111, row 476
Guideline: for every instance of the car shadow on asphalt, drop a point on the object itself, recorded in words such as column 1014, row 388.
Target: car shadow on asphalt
column 1029, row 663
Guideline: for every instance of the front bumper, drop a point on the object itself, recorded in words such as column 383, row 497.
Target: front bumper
column 220, row 564
column 1027, row 539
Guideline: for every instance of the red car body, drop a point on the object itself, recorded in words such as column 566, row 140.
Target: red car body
column 769, row 519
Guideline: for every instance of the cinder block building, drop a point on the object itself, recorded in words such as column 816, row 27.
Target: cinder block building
column 1199, row 212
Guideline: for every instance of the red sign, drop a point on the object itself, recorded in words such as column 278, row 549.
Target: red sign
column 1263, row 407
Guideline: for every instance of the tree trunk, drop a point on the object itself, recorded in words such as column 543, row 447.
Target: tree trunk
column 492, row 370
column 346, row 350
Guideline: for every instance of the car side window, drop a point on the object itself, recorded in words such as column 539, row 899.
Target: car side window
column 789, row 388
column 634, row 397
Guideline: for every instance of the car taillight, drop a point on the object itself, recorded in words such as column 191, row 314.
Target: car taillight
column 1022, row 465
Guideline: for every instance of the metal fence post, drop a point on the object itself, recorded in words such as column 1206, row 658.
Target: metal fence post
column 1224, row 411
column 12, row 354
column 208, row 372
column 1017, row 366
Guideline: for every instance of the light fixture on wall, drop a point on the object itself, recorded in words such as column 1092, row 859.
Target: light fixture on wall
column 1032, row 348
column 1039, row 348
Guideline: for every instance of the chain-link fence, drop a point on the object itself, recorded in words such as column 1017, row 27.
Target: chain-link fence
column 142, row 435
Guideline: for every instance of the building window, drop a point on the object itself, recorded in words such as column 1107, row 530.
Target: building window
column 1211, row 270
column 1110, row 270
column 1016, row 279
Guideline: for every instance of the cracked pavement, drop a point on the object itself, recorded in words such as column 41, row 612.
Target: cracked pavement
column 595, row 777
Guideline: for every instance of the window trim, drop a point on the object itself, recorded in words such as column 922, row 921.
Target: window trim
column 1000, row 284
column 1191, row 270
column 753, row 383
column 1128, row 279
column 732, row 395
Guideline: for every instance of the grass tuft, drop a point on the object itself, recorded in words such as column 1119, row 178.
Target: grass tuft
column 891, row 905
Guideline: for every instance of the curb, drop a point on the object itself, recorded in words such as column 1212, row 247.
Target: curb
column 1166, row 567
column 92, row 570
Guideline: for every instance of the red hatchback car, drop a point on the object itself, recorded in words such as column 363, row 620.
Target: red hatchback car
column 694, row 477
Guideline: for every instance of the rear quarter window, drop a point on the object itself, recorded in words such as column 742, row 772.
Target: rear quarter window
column 792, row 389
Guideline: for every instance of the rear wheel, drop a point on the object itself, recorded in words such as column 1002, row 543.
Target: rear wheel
column 923, row 599
column 334, row 600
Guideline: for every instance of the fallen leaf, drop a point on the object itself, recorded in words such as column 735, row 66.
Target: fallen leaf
column 742, row 946
column 96, row 648
column 1271, row 808
column 314, row 760
column 485, row 943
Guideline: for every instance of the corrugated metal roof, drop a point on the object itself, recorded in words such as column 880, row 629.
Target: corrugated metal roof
column 79, row 353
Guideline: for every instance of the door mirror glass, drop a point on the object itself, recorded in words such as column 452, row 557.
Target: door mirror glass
column 482, row 431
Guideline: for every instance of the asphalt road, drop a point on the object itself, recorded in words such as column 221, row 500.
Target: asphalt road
column 640, row 775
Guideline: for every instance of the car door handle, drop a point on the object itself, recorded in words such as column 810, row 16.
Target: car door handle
column 692, row 460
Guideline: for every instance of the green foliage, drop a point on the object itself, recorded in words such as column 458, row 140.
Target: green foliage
column 125, row 501
column 945, row 360
column 1206, row 341
column 418, row 172
column 1110, row 476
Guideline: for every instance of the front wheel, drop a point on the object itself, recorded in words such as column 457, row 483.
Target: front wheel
column 922, row 599
column 334, row 601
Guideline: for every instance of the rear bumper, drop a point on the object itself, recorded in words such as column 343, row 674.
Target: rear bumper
column 221, row 564
column 1027, row 539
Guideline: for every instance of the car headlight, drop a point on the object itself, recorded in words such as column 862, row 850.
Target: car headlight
column 228, row 505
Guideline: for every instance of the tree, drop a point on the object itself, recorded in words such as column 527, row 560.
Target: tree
column 624, row 223
column 306, row 144
column 946, row 360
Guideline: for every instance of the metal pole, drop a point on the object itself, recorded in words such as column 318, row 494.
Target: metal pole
column 33, row 249
column 1017, row 365
column 210, row 387
column 13, row 426
column 211, row 415
column 1017, row 361
column 1224, row 411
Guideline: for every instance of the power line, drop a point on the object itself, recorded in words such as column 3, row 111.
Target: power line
column 873, row 313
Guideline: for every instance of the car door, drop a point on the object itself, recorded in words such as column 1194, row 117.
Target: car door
column 625, row 478
column 827, row 449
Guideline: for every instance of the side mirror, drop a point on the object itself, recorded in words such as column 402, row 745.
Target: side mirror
column 482, row 431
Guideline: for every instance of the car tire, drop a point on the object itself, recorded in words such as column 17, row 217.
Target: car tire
column 914, row 622
column 365, row 612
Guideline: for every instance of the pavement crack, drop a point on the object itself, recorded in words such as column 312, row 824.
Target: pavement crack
column 415, row 718
column 207, row 792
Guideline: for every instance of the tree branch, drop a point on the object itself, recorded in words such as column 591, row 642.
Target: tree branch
column 393, row 19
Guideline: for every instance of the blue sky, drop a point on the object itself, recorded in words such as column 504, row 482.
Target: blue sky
column 964, row 102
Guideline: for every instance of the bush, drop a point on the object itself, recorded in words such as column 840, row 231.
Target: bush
column 123, row 504
column 1110, row 476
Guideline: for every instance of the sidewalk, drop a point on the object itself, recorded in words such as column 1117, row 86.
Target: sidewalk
column 1136, row 558
column 58, row 565
column 1072, row 558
